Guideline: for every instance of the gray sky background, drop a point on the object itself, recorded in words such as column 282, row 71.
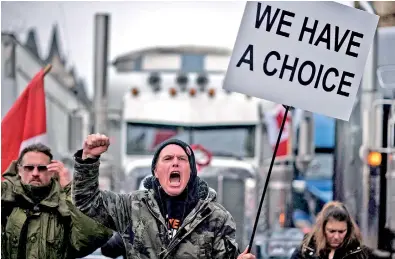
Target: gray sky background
column 133, row 25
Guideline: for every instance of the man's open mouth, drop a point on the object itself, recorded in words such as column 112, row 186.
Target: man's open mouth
column 175, row 177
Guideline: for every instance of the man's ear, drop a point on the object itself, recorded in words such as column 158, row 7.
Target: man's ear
column 155, row 172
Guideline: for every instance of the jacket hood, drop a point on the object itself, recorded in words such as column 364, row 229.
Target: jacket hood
column 12, row 172
column 195, row 191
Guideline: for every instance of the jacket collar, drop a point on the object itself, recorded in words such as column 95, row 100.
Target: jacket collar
column 354, row 247
column 206, row 195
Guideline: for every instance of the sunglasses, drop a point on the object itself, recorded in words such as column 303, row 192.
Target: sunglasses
column 30, row 168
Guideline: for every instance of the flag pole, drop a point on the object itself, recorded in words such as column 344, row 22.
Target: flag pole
column 47, row 69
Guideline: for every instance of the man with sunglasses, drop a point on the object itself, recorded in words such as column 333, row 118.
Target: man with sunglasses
column 38, row 219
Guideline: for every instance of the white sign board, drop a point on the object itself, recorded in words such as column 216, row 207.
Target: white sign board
column 309, row 55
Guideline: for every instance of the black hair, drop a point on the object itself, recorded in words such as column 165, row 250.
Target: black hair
column 37, row 147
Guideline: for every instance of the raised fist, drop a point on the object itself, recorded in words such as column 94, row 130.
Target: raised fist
column 95, row 145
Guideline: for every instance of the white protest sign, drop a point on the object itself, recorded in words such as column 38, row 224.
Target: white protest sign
column 309, row 55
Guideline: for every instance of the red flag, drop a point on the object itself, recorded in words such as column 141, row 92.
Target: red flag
column 25, row 123
column 274, row 119
column 284, row 147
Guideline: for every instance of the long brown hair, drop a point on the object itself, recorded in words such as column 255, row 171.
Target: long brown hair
column 337, row 211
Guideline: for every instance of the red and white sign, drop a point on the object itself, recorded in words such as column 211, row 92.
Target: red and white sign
column 274, row 119
column 25, row 123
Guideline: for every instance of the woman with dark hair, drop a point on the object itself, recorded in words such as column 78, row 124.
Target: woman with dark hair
column 335, row 235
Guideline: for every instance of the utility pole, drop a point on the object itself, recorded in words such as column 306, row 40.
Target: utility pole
column 101, row 40
column 108, row 180
column 369, row 93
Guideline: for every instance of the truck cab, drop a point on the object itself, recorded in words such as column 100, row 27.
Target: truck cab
column 364, row 147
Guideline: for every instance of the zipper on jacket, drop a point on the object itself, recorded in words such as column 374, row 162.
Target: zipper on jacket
column 190, row 219
column 354, row 252
column 154, row 214
column 175, row 241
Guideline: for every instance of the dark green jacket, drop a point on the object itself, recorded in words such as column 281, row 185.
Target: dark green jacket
column 54, row 228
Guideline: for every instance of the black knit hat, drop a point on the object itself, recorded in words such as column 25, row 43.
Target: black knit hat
column 188, row 150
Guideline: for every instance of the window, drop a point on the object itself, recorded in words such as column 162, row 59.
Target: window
column 126, row 66
column 192, row 63
column 233, row 140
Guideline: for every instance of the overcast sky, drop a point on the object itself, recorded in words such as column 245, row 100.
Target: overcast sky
column 133, row 25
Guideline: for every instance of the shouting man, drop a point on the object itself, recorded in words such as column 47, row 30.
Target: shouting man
column 176, row 217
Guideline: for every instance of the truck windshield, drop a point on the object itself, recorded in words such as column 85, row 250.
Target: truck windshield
column 233, row 140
